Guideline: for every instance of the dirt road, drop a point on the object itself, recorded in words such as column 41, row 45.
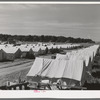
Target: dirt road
column 12, row 70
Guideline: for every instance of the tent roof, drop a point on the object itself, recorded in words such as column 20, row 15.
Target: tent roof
column 24, row 49
column 62, row 67
column 10, row 49
column 39, row 65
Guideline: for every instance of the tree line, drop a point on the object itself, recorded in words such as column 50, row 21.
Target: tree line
column 43, row 38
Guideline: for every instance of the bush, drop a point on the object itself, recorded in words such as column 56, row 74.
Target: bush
column 52, row 51
column 30, row 56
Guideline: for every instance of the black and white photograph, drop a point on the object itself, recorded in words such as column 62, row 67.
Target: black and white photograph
column 49, row 46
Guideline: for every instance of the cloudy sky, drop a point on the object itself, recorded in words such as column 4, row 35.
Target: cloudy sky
column 51, row 19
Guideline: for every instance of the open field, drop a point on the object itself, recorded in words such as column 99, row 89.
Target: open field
column 12, row 70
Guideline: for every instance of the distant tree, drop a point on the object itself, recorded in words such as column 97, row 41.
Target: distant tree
column 11, row 41
column 30, row 56
column 42, row 38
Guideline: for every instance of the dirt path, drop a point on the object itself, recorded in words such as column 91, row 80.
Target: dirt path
column 12, row 70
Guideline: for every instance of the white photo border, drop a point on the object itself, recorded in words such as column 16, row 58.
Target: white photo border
column 70, row 94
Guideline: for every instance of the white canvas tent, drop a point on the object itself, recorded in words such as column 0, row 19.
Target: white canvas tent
column 43, row 49
column 24, row 50
column 64, row 69
column 2, row 55
column 39, row 65
column 10, row 53
column 54, row 69
column 69, row 67
column 37, row 51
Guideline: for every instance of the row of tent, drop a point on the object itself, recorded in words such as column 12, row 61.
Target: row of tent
column 71, row 67
column 10, row 52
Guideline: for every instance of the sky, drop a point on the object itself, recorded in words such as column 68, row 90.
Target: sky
column 69, row 20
